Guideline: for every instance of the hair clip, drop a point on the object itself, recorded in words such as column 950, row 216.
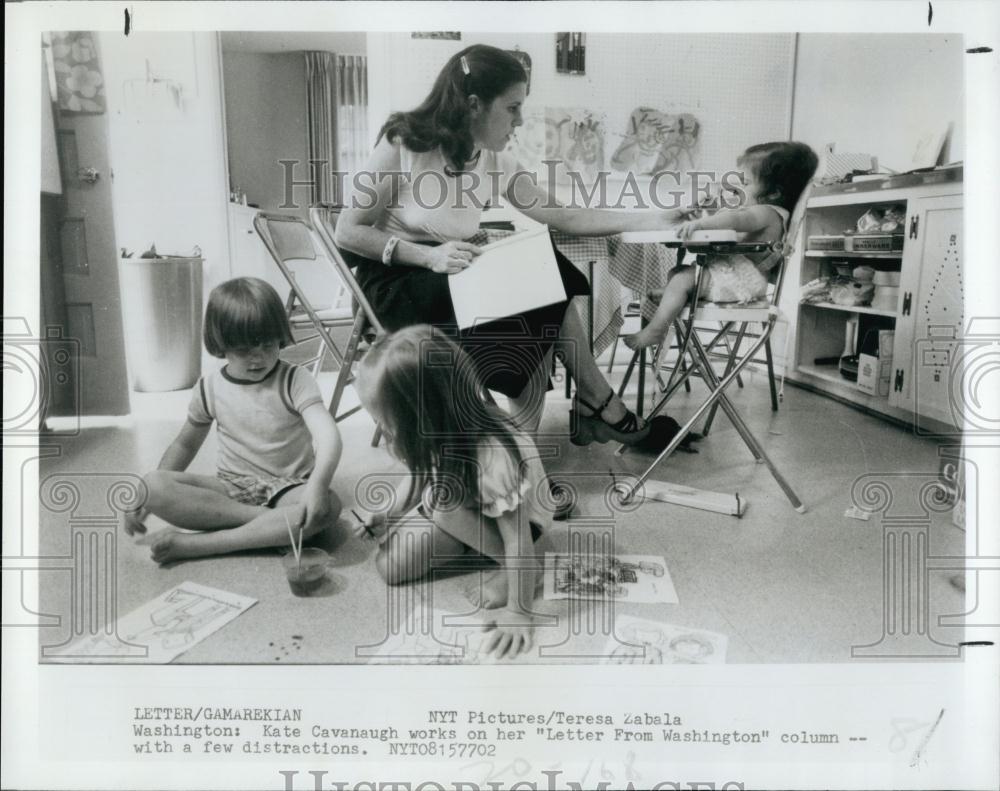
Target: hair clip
column 465, row 66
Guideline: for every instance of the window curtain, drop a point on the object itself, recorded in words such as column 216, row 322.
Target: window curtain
column 336, row 119
column 77, row 69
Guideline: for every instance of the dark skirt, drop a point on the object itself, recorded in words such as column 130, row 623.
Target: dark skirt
column 506, row 352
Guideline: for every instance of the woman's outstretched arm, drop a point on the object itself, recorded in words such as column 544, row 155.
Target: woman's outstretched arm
column 533, row 201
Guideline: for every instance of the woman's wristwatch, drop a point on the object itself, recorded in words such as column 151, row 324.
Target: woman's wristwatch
column 390, row 248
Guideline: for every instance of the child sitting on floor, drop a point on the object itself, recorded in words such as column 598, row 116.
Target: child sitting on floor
column 480, row 480
column 775, row 176
column 278, row 445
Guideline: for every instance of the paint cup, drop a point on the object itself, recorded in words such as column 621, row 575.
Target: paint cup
column 307, row 573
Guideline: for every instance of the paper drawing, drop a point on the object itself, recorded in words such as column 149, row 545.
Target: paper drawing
column 632, row 578
column 638, row 641
column 166, row 627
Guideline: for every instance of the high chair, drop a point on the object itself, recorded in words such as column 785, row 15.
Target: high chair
column 641, row 359
column 691, row 348
column 299, row 255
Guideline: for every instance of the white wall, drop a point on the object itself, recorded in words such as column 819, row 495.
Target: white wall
column 169, row 169
column 877, row 94
column 265, row 123
column 737, row 86
column 263, row 41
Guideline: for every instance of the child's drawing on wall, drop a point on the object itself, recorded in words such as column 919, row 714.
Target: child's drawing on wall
column 586, row 150
column 571, row 137
column 656, row 141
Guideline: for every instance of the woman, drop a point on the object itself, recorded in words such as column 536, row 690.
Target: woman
column 435, row 168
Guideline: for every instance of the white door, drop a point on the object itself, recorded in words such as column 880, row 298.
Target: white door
column 89, row 263
column 931, row 310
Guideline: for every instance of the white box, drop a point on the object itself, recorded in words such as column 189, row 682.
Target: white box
column 875, row 371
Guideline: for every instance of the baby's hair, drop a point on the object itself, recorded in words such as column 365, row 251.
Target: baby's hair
column 242, row 313
column 428, row 392
column 783, row 170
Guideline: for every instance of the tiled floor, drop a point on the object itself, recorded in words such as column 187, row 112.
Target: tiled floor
column 782, row 587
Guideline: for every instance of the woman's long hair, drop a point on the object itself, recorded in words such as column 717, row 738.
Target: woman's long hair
column 436, row 411
column 443, row 119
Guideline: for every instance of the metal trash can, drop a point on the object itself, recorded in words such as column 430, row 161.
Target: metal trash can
column 162, row 307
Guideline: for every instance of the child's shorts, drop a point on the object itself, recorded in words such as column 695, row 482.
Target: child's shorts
column 254, row 490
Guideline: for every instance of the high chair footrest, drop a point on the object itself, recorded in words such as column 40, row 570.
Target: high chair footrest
column 704, row 500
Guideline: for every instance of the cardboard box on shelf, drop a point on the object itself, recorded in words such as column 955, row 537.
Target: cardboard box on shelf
column 875, row 370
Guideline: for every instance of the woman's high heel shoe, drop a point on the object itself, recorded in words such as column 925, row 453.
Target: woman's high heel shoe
column 588, row 428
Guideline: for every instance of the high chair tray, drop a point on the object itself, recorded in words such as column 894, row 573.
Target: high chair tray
column 669, row 236
column 700, row 241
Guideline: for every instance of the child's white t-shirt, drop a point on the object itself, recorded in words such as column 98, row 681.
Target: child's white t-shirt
column 260, row 426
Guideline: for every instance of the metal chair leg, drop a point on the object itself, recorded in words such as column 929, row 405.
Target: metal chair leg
column 700, row 358
column 641, row 395
column 347, row 365
column 688, row 425
column 614, row 350
column 628, row 374
column 744, row 431
column 729, row 353
column 734, row 351
column 687, row 380
column 770, row 374
column 672, row 383
column 317, row 366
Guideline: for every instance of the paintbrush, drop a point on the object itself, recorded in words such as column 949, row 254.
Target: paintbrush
column 364, row 524
column 291, row 537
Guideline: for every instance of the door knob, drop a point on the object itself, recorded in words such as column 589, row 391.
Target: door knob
column 88, row 175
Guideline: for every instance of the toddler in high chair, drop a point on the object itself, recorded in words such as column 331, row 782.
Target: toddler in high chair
column 775, row 175
column 278, row 445
column 479, row 479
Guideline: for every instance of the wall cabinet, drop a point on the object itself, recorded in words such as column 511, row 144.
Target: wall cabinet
column 926, row 316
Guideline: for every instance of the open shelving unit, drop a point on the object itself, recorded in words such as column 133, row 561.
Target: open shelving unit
column 927, row 319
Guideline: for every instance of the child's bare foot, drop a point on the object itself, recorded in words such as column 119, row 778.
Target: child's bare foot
column 170, row 544
column 650, row 335
column 134, row 522
column 489, row 589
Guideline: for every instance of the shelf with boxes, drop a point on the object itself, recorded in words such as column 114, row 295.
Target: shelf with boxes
column 880, row 273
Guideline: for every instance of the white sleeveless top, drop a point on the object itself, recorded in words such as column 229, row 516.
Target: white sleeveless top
column 433, row 206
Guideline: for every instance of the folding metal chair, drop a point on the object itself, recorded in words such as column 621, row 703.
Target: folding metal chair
column 697, row 353
column 298, row 253
column 324, row 220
